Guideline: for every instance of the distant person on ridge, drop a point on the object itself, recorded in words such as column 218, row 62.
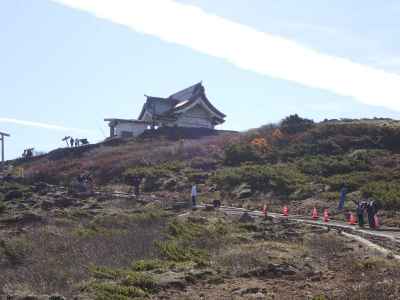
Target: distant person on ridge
column 194, row 195
column 76, row 142
column 71, row 141
column 342, row 197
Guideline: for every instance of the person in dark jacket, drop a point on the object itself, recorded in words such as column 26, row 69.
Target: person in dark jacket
column 371, row 211
column 361, row 206
column 136, row 181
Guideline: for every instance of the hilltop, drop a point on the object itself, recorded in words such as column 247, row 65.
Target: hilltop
column 99, row 241
column 293, row 161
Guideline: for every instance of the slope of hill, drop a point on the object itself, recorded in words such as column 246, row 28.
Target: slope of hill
column 99, row 241
column 293, row 161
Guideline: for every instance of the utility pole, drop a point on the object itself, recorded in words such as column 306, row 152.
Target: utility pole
column 2, row 135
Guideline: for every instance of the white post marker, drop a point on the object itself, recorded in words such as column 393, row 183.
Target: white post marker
column 2, row 135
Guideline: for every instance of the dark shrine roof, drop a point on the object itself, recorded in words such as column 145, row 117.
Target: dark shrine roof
column 181, row 100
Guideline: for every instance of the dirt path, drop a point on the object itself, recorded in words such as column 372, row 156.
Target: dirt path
column 386, row 237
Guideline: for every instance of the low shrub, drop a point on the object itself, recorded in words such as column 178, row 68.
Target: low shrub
column 235, row 154
column 148, row 265
column 387, row 193
column 294, row 124
column 106, row 291
column 15, row 250
column 153, row 175
column 203, row 163
column 197, row 177
column 177, row 251
column 281, row 179
column 331, row 165
column 126, row 277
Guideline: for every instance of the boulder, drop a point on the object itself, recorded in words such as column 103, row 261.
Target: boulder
column 171, row 279
column 64, row 202
column 272, row 271
column 46, row 204
column 243, row 191
column 24, row 297
column 23, row 219
column 246, row 218
column 41, row 188
column 201, row 274
column 216, row 203
column 170, row 184
column 180, row 205
column 13, row 194
column 56, row 297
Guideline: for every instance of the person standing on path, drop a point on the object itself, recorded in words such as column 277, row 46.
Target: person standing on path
column 373, row 208
column 136, row 181
column 371, row 214
column 361, row 206
column 194, row 195
column 342, row 199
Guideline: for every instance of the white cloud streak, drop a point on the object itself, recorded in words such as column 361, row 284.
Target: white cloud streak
column 43, row 125
column 248, row 48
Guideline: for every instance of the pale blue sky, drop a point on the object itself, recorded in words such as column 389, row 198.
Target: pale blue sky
column 65, row 67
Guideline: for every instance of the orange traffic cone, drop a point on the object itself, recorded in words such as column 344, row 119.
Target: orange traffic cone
column 264, row 210
column 314, row 214
column 326, row 215
column 376, row 221
column 352, row 219
column 285, row 211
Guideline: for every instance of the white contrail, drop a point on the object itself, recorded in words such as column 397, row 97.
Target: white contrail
column 248, row 48
column 43, row 125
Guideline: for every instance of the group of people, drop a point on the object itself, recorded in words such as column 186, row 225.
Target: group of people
column 137, row 180
column 366, row 205
column 28, row 153
column 371, row 207
column 84, row 178
column 74, row 142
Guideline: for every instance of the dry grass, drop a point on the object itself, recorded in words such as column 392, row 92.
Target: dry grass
column 246, row 257
column 107, row 163
column 48, row 261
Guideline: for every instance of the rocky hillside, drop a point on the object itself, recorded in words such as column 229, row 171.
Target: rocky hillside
column 63, row 240
column 296, row 161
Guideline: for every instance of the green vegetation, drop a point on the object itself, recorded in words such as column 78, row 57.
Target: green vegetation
column 191, row 242
column 187, row 244
column 149, row 265
column 235, row 154
column 294, row 124
column 15, row 250
column 281, row 179
column 331, row 165
column 289, row 159
column 387, row 193
column 112, row 291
